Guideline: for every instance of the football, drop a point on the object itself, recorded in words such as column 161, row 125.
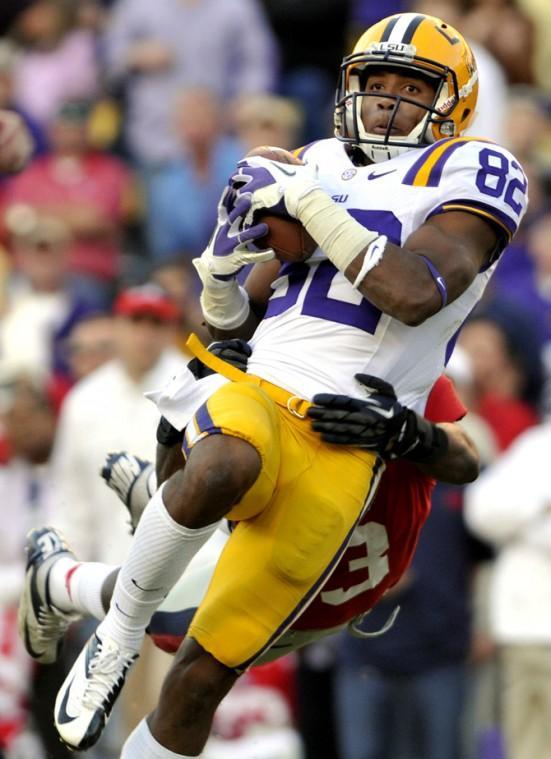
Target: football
column 286, row 236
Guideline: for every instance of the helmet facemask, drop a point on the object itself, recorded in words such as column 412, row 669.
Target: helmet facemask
column 349, row 126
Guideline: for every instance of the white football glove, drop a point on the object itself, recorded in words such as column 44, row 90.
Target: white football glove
column 133, row 480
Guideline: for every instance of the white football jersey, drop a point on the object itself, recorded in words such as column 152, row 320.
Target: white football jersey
column 319, row 331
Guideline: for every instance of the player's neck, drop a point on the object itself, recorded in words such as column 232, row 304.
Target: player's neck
column 357, row 156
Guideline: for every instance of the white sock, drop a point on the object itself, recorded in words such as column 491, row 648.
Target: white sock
column 76, row 586
column 140, row 744
column 159, row 553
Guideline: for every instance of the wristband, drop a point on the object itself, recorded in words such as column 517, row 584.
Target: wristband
column 373, row 256
column 438, row 279
column 432, row 441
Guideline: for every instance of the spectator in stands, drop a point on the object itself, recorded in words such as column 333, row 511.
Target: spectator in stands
column 504, row 344
column 87, row 343
column 16, row 144
column 9, row 10
column 268, row 120
column 57, row 61
column 26, row 484
column 90, row 344
column 532, row 291
column 8, row 58
column 364, row 13
column 539, row 11
column 110, row 407
column 312, row 39
column 509, row 505
column 526, row 124
column 91, row 192
column 39, row 309
column 154, row 50
column 511, row 41
column 183, row 194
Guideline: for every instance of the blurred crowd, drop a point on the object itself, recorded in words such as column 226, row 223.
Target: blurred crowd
column 139, row 111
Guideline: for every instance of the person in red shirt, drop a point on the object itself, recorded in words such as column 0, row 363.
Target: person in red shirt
column 89, row 191
column 503, row 343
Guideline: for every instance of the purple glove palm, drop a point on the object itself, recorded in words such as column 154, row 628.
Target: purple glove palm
column 231, row 245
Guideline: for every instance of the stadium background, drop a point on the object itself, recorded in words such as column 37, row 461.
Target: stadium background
column 139, row 111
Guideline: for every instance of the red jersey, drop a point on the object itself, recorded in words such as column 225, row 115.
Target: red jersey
column 383, row 543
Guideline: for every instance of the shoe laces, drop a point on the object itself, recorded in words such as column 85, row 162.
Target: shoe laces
column 108, row 669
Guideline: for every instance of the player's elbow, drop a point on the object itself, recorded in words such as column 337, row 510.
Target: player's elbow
column 415, row 309
column 468, row 468
column 463, row 470
column 465, row 462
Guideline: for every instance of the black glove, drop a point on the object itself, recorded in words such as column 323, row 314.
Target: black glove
column 235, row 352
column 380, row 423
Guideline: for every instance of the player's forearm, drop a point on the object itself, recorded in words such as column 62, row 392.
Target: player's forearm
column 460, row 463
column 399, row 285
column 258, row 290
column 394, row 279
column 244, row 331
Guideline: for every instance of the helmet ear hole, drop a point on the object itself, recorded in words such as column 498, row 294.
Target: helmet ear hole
column 465, row 114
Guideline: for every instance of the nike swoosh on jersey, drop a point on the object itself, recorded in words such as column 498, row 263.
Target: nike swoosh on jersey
column 373, row 175
column 289, row 172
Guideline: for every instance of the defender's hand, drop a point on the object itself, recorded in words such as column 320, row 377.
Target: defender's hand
column 229, row 248
column 380, row 423
column 133, row 481
column 273, row 186
column 374, row 423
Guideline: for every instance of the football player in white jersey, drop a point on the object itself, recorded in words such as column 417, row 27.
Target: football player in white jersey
column 410, row 219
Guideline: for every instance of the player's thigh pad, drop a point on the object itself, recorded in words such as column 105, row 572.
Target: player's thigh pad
column 274, row 564
column 244, row 411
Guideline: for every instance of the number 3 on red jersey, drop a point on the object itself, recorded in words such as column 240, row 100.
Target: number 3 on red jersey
column 374, row 537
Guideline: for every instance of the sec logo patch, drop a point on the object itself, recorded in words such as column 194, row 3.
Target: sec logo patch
column 348, row 174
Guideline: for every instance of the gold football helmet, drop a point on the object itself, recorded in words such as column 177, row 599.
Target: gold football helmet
column 424, row 45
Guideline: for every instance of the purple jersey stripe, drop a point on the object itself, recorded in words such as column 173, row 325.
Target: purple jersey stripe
column 503, row 220
column 309, row 597
column 204, row 421
column 186, row 448
column 414, row 168
column 436, row 172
